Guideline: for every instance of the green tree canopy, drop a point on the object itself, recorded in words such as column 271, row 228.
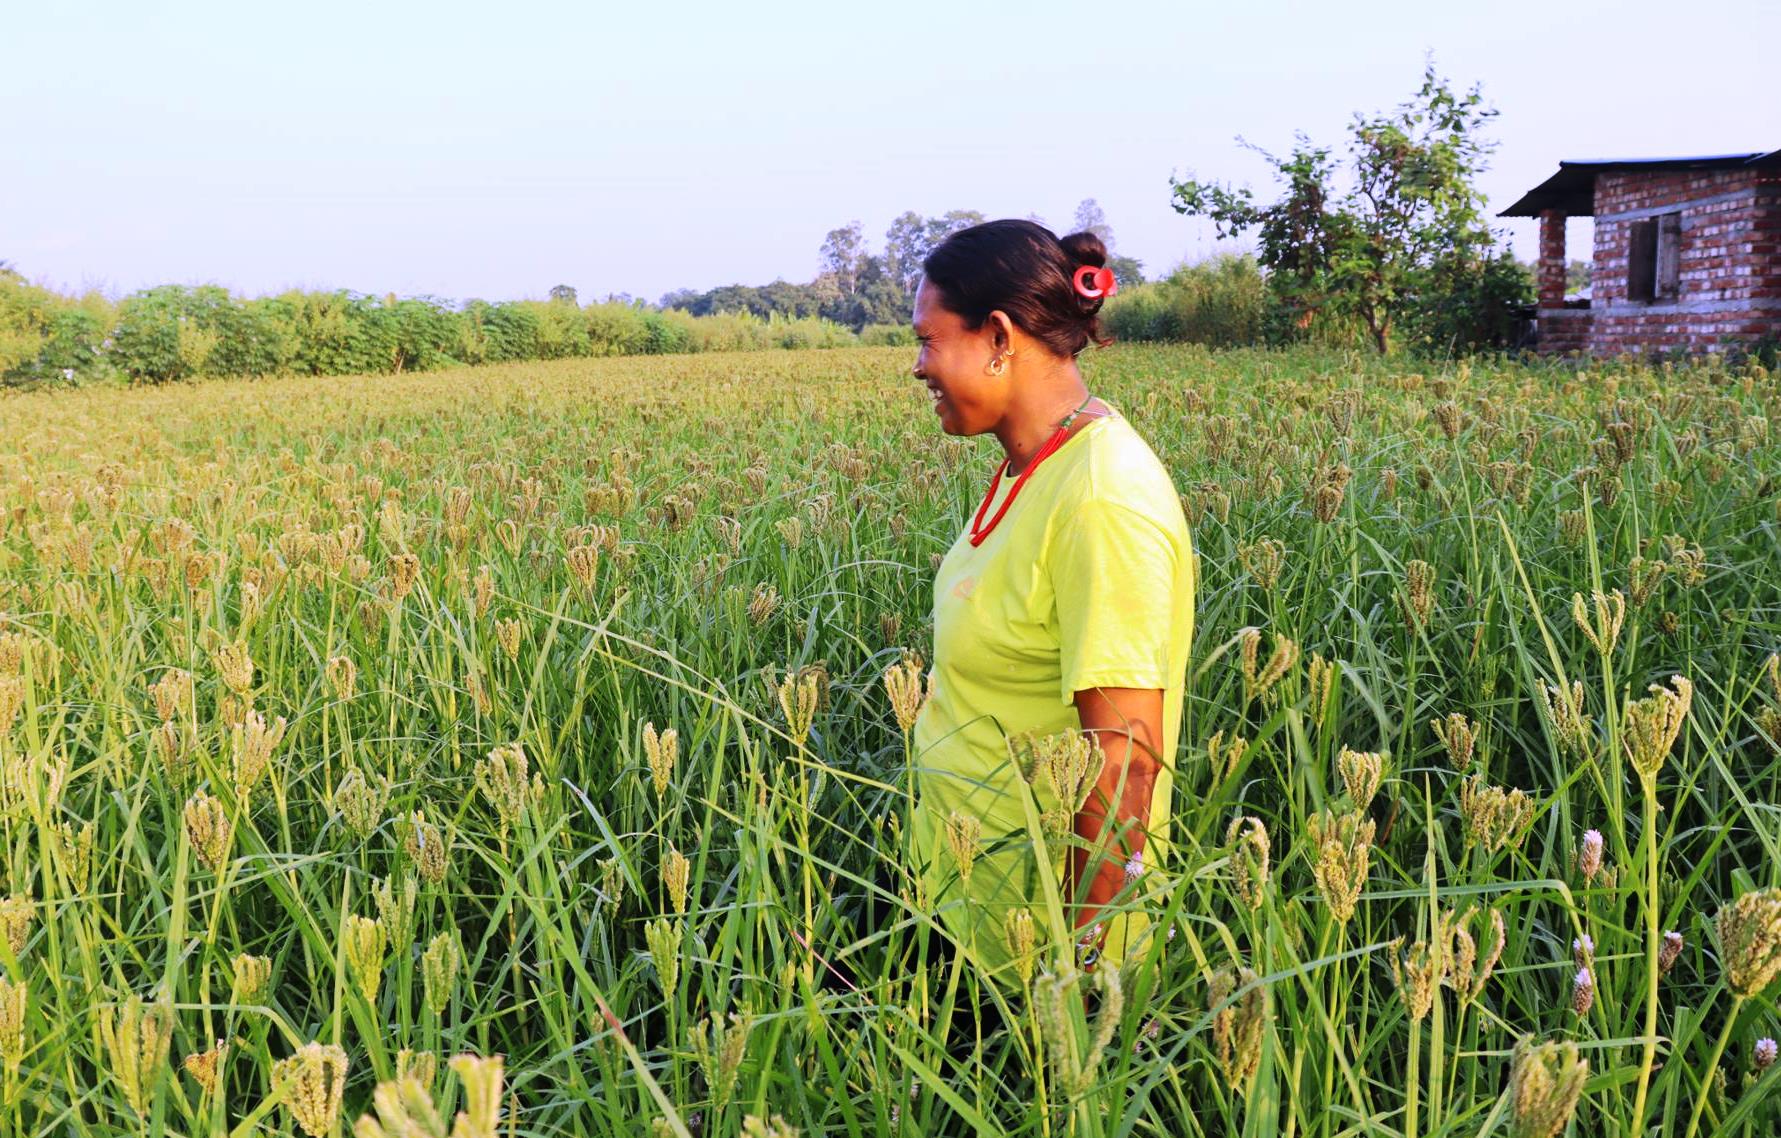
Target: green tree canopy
column 1407, row 228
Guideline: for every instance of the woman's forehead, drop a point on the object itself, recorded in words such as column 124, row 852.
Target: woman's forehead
column 930, row 314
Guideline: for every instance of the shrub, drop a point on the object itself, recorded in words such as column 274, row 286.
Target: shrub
column 888, row 336
column 45, row 336
column 1221, row 302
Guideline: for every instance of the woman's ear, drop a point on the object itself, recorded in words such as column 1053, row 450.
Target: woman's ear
column 1001, row 330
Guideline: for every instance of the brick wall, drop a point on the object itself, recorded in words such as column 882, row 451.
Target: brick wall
column 1729, row 275
column 1564, row 330
column 1550, row 274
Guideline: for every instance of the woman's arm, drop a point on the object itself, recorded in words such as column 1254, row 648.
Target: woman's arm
column 1128, row 724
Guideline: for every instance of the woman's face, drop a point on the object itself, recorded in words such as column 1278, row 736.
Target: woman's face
column 954, row 362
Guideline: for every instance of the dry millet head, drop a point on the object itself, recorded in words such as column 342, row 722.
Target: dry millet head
column 342, row 674
column 1259, row 679
column 903, row 683
column 209, row 829
column 662, row 752
column 962, row 834
column 484, row 589
column 310, row 1084
column 1419, row 592
column 250, row 976
column 1545, row 1083
column 763, row 604
column 1020, row 933
column 1467, row 972
column 235, row 666
column 1602, row 630
column 1343, row 845
column 1238, row 1029
column 1362, row 772
column 1263, row 559
column 360, row 800
column 136, row 1037
column 799, row 696
column 1320, row 675
column 1750, row 941
column 676, row 872
column 421, row 1066
column 1574, row 730
column 720, row 1052
column 584, row 563
column 202, row 1065
column 1494, row 816
column 481, row 1080
column 1642, row 579
column 502, row 779
column 395, row 911
column 1417, row 974
column 426, row 847
column 1651, row 725
column 663, row 939
column 172, row 693
column 507, row 634
column 1248, row 838
column 1459, row 736
column 14, row 997
column 439, row 971
column 15, row 921
column 253, row 743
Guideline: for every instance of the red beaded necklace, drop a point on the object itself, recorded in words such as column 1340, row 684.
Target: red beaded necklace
column 1051, row 444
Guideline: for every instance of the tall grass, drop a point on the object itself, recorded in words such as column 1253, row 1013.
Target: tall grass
column 479, row 601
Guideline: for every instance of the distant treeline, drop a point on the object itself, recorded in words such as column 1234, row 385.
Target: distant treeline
column 865, row 290
column 175, row 332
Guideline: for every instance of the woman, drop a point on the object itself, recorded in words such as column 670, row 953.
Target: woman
column 1066, row 602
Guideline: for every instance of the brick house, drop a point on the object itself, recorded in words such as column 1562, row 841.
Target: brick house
column 1687, row 254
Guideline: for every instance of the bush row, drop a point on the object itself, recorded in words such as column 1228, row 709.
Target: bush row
column 175, row 332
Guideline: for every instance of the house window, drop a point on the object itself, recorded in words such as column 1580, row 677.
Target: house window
column 1654, row 258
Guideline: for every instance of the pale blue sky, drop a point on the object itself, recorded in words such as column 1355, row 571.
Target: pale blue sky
column 497, row 149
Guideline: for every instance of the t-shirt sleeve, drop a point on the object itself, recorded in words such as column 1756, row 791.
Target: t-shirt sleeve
column 1112, row 571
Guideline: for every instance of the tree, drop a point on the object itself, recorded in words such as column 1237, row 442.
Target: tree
column 905, row 245
column 1577, row 276
column 841, row 253
column 912, row 237
column 562, row 294
column 1409, row 228
column 1090, row 219
column 1126, row 270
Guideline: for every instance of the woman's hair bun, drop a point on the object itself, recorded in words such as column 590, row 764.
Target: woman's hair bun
column 1022, row 269
column 1085, row 249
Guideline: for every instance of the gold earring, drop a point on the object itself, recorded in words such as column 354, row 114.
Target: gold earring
column 1000, row 364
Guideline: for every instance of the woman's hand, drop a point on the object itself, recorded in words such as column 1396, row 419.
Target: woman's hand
column 1127, row 722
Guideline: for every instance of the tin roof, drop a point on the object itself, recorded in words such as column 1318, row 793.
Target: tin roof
column 1572, row 190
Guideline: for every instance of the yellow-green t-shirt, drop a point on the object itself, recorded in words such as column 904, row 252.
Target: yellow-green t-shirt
column 1088, row 581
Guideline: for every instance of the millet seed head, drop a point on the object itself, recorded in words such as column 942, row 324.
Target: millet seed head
column 1750, row 941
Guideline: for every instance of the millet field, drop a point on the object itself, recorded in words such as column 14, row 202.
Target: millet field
column 524, row 750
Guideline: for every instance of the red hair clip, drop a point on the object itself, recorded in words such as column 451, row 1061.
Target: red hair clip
column 1100, row 282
